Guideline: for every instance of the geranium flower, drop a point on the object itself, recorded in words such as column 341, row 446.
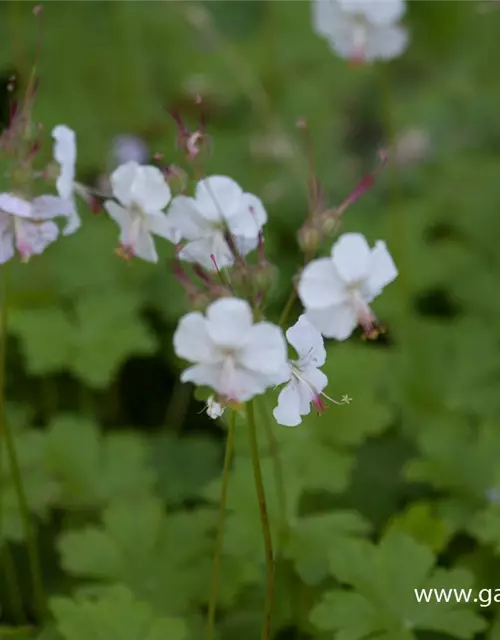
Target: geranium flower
column 361, row 30
column 336, row 291
column 26, row 226
column 233, row 356
column 305, row 381
column 65, row 155
column 143, row 194
column 219, row 206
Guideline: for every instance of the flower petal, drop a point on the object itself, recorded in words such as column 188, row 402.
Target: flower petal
column 185, row 217
column 265, row 351
column 150, row 190
column 218, row 197
column 191, row 339
column 159, row 224
column 200, row 251
column 351, row 256
column 337, row 322
column 74, row 222
column 307, row 342
column 15, row 206
column 144, row 246
column 380, row 12
column 287, row 411
column 248, row 218
column 382, row 269
column 38, row 236
column 6, row 245
column 229, row 321
column 46, row 207
column 65, row 155
column 320, row 286
column 122, row 217
column 385, row 43
column 315, row 378
column 122, row 180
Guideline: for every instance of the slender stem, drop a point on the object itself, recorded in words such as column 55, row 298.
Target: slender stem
column 6, row 432
column 220, row 528
column 279, row 478
column 264, row 518
column 288, row 307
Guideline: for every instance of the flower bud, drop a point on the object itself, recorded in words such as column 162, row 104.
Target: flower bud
column 309, row 238
column 263, row 276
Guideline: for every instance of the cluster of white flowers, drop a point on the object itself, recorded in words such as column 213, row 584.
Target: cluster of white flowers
column 362, row 30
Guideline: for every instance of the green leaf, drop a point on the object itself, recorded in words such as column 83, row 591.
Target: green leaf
column 311, row 536
column 420, row 522
column 93, row 470
column 382, row 601
column 105, row 331
column 164, row 560
column 116, row 615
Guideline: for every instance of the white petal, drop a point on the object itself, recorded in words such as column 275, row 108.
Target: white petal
column 38, row 236
column 307, row 342
column 159, row 224
column 122, row 217
column 65, row 155
column 229, row 321
column 382, row 269
column 6, row 245
column 74, row 222
column 336, row 322
column 200, row 251
column 191, row 339
column 15, row 206
column 150, row 190
column 217, row 197
column 326, row 14
column 385, row 43
column 248, row 218
column 204, row 375
column 315, row 378
column 47, row 207
column 122, row 180
column 185, row 217
column 245, row 245
column 265, row 350
column 241, row 385
column 287, row 411
column 320, row 286
column 144, row 247
column 351, row 256
column 378, row 12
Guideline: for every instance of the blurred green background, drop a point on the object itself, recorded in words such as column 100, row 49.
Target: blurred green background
column 107, row 436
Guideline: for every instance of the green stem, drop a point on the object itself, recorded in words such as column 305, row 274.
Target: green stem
column 279, row 478
column 264, row 518
column 288, row 307
column 220, row 528
column 6, row 432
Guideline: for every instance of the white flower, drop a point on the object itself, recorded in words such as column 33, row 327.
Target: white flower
column 219, row 205
column 65, row 155
column 143, row 194
column 336, row 291
column 233, row 356
column 214, row 409
column 361, row 30
column 26, row 226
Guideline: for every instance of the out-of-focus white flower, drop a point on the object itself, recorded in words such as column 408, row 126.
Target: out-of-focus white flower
column 143, row 194
column 361, row 30
column 336, row 291
column 128, row 148
column 65, row 155
column 233, row 356
column 219, row 206
column 26, row 226
column 214, row 409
